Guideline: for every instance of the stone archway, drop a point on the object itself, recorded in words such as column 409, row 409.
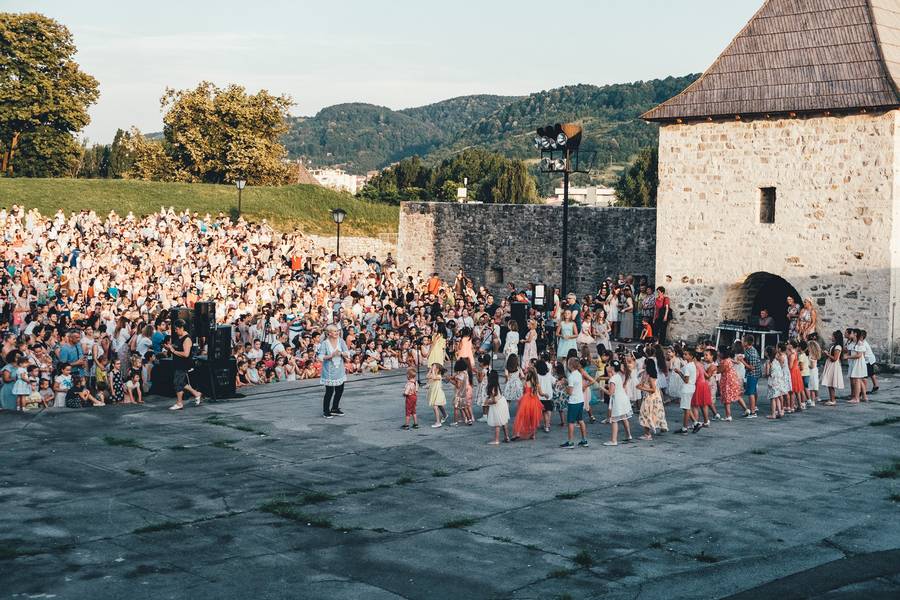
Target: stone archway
column 758, row 291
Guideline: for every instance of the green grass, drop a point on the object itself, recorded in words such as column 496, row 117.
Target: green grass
column 460, row 523
column 759, row 451
column 288, row 510
column 225, row 444
column 306, row 207
column 560, row 573
column 584, row 559
column 886, row 421
column 217, row 421
column 406, row 479
column 123, row 442
column 10, row 550
column 706, row 558
column 567, row 495
column 164, row 526
column 894, row 497
column 889, row 472
column 440, row 473
column 178, row 447
column 137, row 472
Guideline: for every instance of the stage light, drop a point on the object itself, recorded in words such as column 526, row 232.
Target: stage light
column 562, row 138
column 538, row 142
column 545, row 163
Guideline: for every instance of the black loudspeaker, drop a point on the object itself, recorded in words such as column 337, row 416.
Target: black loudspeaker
column 186, row 315
column 215, row 380
column 220, row 344
column 539, row 296
column 204, row 318
column 519, row 313
column 162, row 378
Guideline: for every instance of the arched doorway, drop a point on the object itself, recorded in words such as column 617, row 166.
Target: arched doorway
column 758, row 291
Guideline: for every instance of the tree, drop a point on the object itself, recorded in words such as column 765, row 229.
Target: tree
column 637, row 185
column 41, row 86
column 491, row 178
column 46, row 152
column 120, row 159
column 217, row 135
column 149, row 159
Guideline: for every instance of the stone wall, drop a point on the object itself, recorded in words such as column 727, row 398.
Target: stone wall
column 832, row 238
column 377, row 246
column 524, row 241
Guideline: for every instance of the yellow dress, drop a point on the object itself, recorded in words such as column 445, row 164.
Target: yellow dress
column 438, row 348
column 436, row 395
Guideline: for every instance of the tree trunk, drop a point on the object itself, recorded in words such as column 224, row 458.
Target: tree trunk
column 8, row 155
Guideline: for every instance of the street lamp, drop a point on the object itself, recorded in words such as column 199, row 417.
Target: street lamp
column 560, row 153
column 240, row 183
column 338, row 215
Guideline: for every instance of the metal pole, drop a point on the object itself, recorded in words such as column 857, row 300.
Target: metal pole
column 339, row 239
column 565, row 240
column 239, row 201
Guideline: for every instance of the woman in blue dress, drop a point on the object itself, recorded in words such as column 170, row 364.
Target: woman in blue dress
column 9, row 375
column 333, row 352
column 566, row 334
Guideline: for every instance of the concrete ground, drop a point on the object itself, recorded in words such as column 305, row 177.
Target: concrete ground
column 260, row 497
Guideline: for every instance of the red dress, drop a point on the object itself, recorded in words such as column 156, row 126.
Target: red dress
column 730, row 387
column 796, row 378
column 702, row 396
column 528, row 417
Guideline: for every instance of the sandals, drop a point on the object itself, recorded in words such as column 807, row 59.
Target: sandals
column 646, row 438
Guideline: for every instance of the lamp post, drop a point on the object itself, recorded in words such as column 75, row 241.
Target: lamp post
column 560, row 153
column 338, row 215
column 240, row 183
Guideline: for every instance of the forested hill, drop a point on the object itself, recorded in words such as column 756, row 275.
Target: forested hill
column 361, row 137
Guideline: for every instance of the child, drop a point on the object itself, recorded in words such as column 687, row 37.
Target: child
column 411, row 398
column 575, row 404
column 646, row 330
column 545, row 391
column 22, row 386
column 675, row 382
column 511, row 347
column 799, row 384
column 133, row 389
column 814, row 352
column 560, row 396
column 46, row 392
column 34, row 379
column 702, row 398
column 869, row 357
column 619, row 404
column 653, row 413
column 498, row 414
column 147, row 371
column 776, row 382
column 528, row 416
column 711, row 370
column 730, row 387
column 512, row 390
column 687, row 372
column 462, row 401
column 479, row 396
column 436, row 398
column 797, row 389
column 787, row 405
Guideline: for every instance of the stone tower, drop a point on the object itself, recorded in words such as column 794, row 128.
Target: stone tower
column 778, row 172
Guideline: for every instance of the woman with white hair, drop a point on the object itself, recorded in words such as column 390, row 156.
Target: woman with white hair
column 333, row 352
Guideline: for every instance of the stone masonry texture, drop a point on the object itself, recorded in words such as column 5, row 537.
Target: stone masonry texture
column 834, row 238
column 525, row 242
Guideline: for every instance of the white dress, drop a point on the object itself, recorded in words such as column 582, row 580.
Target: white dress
column 498, row 415
column 619, row 404
column 512, row 343
column 513, row 387
column 856, row 367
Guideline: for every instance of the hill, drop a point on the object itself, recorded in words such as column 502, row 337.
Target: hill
column 363, row 137
column 306, row 207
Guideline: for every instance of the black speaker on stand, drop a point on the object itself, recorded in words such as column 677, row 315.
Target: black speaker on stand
column 204, row 323
column 220, row 344
column 215, row 379
column 186, row 315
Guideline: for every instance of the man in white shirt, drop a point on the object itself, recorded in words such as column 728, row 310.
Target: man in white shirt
column 575, row 408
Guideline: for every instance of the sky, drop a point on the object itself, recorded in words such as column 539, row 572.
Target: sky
column 397, row 53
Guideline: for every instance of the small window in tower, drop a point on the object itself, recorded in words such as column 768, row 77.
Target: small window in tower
column 767, row 205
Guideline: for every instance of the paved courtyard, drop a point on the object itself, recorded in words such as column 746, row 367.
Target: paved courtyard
column 260, row 497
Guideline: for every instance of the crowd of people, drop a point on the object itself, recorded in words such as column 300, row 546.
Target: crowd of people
column 583, row 369
column 88, row 304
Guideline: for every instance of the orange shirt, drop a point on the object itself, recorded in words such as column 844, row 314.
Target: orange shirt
column 434, row 285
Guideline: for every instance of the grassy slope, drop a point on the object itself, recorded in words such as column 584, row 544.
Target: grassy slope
column 303, row 206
